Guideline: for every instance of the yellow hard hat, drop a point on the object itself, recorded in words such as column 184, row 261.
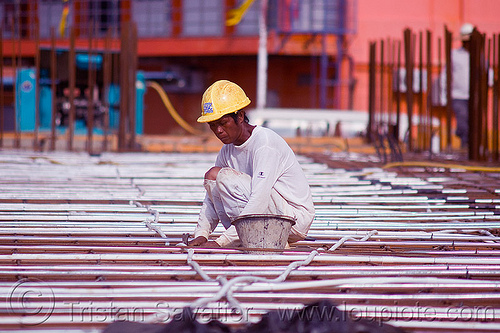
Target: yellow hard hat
column 221, row 98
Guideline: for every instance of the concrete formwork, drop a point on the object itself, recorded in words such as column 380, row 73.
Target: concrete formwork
column 86, row 240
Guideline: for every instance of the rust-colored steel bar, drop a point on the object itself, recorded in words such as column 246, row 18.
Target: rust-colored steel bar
column 496, row 96
column 90, row 97
column 428, row 109
column 409, row 58
column 53, row 78
column 124, row 101
column 485, row 65
column 19, row 29
column 390, row 71
column 72, row 88
column 391, row 46
column 106, row 85
column 475, row 96
column 442, row 141
column 381, row 94
column 447, row 53
column 17, row 138
column 371, row 91
column 420, row 132
column 398, row 92
column 2, row 97
column 132, row 77
column 37, row 89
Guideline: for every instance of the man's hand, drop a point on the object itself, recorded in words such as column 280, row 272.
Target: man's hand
column 202, row 241
column 198, row 241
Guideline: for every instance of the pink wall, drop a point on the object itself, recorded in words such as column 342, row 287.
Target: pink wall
column 384, row 19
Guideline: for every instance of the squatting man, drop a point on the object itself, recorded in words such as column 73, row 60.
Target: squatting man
column 255, row 172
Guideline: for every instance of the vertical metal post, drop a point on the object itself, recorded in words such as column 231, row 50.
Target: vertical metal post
column 398, row 93
column 486, row 61
column 106, row 86
column 314, row 81
column 381, row 87
column 428, row 109
column 72, row 88
column 124, row 63
column 371, row 91
column 90, row 87
column 53, row 74
column 342, row 9
column 389, row 72
column 19, row 62
column 2, row 98
column 449, row 78
column 442, row 141
column 475, row 96
column 37, row 88
column 17, row 139
column 262, row 57
column 408, row 37
column 131, row 88
column 323, row 74
column 496, row 96
column 421, row 127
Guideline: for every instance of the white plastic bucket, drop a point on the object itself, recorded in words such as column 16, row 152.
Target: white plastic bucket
column 263, row 231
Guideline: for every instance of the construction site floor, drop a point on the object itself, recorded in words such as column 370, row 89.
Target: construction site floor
column 91, row 239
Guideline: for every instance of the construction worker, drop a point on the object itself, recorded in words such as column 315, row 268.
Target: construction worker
column 460, row 82
column 460, row 59
column 255, row 172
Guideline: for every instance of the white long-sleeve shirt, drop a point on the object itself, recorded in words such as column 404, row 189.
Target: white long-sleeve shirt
column 271, row 163
column 460, row 77
column 460, row 59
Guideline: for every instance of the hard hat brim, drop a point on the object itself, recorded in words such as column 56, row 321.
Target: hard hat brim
column 215, row 116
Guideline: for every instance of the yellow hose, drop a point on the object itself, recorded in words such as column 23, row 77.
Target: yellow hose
column 171, row 108
column 442, row 165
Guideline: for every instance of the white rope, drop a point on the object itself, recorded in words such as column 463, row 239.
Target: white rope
column 149, row 222
column 227, row 287
column 346, row 238
column 194, row 265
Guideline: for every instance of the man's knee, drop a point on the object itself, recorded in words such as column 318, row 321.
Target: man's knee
column 212, row 173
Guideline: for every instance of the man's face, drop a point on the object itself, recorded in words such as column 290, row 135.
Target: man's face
column 226, row 129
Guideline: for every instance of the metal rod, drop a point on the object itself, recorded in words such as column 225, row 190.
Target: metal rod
column 398, row 93
column 447, row 52
column 36, row 144
column 409, row 64
column 17, row 127
column 132, row 87
column 107, row 68
column 72, row 88
column 372, row 92
column 124, row 87
column 496, row 96
column 90, row 98
column 2, row 89
column 421, row 129
column 429, row 107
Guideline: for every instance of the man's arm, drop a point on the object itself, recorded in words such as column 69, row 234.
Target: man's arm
column 207, row 222
column 229, row 236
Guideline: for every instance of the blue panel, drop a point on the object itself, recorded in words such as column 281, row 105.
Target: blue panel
column 82, row 61
column 113, row 94
column 25, row 99
column 140, row 86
